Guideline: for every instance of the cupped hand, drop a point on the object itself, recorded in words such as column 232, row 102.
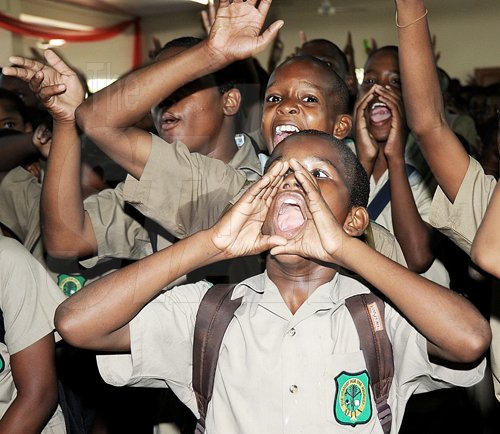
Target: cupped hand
column 239, row 231
column 55, row 83
column 322, row 237
column 396, row 141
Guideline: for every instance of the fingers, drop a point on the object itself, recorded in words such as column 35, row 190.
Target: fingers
column 47, row 92
column 206, row 22
column 57, row 63
column 19, row 72
column 302, row 37
column 268, row 35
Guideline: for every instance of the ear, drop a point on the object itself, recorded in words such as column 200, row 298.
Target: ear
column 356, row 221
column 232, row 101
column 343, row 126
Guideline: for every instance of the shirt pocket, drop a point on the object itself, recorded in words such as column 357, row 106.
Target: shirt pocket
column 350, row 405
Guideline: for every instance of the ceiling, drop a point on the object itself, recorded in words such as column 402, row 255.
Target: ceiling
column 150, row 7
column 146, row 8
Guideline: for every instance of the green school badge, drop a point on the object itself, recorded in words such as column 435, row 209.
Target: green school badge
column 2, row 363
column 353, row 403
column 70, row 284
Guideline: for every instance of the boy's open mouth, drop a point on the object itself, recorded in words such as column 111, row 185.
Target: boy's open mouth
column 290, row 216
column 281, row 132
column 379, row 113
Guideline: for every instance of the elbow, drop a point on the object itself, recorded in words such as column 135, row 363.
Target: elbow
column 423, row 127
column 419, row 263
column 477, row 343
column 485, row 258
column 67, row 325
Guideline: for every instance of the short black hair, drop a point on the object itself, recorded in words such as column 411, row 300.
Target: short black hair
column 355, row 176
column 331, row 49
column 17, row 103
column 225, row 79
column 386, row 48
column 340, row 90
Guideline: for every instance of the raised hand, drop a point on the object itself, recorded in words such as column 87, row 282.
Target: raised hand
column 366, row 147
column 55, row 83
column 239, row 231
column 323, row 237
column 236, row 31
column 396, row 141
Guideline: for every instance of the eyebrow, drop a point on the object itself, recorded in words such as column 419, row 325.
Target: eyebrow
column 306, row 82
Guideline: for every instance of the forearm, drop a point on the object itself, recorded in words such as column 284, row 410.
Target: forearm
column 453, row 326
column 485, row 250
column 34, row 375
column 28, row 415
column 96, row 316
column 66, row 230
column 423, row 99
column 413, row 234
column 108, row 117
column 14, row 150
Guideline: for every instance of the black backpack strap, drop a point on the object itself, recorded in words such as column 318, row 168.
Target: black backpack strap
column 367, row 311
column 214, row 315
column 2, row 328
column 382, row 198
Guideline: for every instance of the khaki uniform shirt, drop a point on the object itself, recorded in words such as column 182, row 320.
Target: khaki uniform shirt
column 20, row 208
column 186, row 192
column 277, row 372
column 460, row 221
column 28, row 300
column 20, row 211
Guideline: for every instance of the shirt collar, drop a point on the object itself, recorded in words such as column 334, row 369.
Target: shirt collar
column 246, row 158
column 335, row 291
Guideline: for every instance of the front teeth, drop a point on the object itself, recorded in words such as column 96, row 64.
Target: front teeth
column 290, row 202
column 286, row 129
column 378, row 104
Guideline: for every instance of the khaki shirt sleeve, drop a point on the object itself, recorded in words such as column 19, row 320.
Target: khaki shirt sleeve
column 20, row 205
column 118, row 232
column 460, row 220
column 384, row 242
column 29, row 297
column 183, row 192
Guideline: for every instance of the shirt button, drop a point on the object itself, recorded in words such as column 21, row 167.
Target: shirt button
column 291, row 332
column 293, row 388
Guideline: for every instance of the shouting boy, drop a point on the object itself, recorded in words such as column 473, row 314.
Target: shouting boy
column 291, row 343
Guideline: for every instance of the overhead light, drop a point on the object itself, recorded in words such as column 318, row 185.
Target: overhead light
column 33, row 19
column 326, row 8
column 50, row 43
column 203, row 2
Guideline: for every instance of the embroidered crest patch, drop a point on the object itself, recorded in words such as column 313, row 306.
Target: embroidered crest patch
column 2, row 363
column 353, row 403
column 70, row 284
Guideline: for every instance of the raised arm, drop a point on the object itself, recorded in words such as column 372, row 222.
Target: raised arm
column 97, row 316
column 454, row 328
column 423, row 99
column 66, row 227
column 109, row 116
